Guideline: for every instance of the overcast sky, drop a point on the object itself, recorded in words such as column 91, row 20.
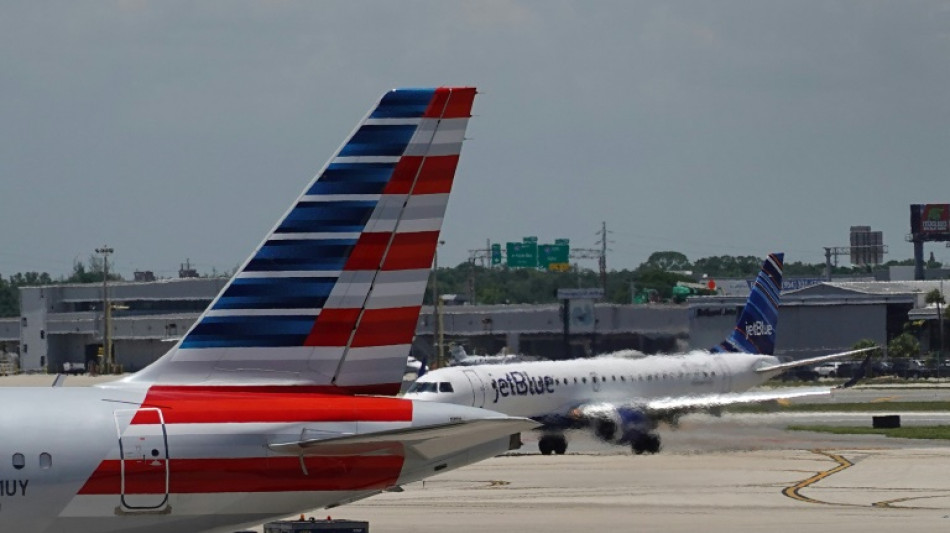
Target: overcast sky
column 173, row 130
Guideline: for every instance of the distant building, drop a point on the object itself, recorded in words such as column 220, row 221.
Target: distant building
column 64, row 323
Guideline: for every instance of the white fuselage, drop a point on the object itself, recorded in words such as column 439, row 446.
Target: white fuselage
column 544, row 388
column 96, row 460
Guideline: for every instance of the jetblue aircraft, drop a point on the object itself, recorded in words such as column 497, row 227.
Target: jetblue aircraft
column 268, row 405
column 621, row 399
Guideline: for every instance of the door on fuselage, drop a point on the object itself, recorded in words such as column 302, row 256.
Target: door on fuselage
column 478, row 388
column 143, row 449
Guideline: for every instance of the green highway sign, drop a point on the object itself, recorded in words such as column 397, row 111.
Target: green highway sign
column 495, row 254
column 522, row 254
column 554, row 254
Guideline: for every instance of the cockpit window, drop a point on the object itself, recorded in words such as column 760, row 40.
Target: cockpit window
column 445, row 386
column 424, row 386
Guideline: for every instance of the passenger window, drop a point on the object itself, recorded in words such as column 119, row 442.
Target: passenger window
column 46, row 461
column 19, row 461
column 445, row 386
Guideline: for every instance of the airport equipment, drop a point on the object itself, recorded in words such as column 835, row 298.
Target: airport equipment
column 313, row 525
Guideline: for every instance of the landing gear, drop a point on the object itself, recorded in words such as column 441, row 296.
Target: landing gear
column 555, row 443
column 646, row 443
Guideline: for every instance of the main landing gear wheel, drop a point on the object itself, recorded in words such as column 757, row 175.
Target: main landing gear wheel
column 649, row 443
column 552, row 444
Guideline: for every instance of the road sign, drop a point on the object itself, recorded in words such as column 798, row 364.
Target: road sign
column 549, row 254
column 495, row 254
column 522, row 254
column 578, row 294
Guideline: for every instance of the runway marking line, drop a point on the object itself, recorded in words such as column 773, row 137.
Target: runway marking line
column 889, row 504
column 884, row 399
column 793, row 491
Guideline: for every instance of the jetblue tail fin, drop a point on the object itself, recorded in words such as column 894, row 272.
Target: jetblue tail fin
column 331, row 297
column 757, row 325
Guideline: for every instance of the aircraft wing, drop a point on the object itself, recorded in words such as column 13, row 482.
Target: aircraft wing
column 426, row 441
column 812, row 361
column 688, row 403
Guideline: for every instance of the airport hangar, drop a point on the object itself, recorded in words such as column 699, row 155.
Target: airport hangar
column 64, row 323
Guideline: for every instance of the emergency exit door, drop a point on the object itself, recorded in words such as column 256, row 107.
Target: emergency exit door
column 143, row 449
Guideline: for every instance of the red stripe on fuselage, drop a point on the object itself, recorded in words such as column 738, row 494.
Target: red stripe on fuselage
column 270, row 474
column 222, row 405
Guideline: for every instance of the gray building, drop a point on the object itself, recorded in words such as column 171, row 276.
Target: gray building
column 64, row 323
column 822, row 318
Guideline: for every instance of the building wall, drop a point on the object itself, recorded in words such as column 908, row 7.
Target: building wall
column 64, row 323
column 806, row 327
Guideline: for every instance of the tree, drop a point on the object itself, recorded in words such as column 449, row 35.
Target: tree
column 867, row 343
column 729, row 266
column 666, row 261
column 904, row 345
column 936, row 297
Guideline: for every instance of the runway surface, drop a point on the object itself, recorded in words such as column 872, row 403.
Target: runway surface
column 713, row 475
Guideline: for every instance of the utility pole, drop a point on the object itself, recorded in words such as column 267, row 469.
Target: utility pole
column 602, row 260
column 106, row 311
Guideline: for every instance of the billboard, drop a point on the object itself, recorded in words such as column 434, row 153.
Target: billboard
column 930, row 221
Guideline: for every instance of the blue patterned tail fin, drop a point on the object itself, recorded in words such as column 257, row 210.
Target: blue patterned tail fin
column 758, row 324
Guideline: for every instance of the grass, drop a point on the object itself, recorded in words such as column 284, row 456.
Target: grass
column 866, row 407
column 915, row 432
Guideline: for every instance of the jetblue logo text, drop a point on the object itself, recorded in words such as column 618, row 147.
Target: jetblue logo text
column 521, row 384
column 758, row 329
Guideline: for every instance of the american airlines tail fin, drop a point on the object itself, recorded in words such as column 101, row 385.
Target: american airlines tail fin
column 331, row 297
column 757, row 325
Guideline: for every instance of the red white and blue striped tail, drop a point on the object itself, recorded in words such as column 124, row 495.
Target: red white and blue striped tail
column 331, row 298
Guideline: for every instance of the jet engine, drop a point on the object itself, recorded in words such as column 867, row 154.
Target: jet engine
column 617, row 424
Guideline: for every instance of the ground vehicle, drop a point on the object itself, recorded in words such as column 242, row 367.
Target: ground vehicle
column 828, row 369
column 910, row 368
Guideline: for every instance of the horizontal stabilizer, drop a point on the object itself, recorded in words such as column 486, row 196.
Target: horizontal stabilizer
column 812, row 361
column 426, row 441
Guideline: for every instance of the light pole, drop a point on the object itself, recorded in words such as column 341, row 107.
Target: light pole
column 437, row 337
column 940, row 351
column 106, row 311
